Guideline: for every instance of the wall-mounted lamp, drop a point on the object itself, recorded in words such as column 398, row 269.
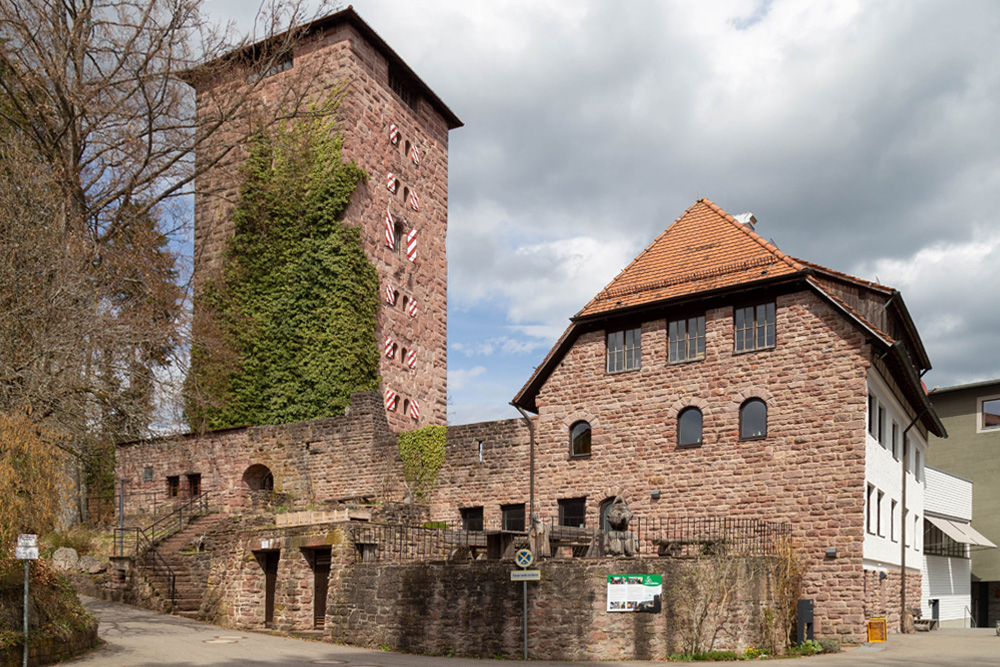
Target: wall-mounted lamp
column 831, row 553
column 655, row 495
column 882, row 576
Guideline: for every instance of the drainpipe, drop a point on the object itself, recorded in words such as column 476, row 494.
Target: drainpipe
column 531, row 476
column 902, row 541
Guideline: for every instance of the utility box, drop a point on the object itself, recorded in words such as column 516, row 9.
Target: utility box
column 804, row 612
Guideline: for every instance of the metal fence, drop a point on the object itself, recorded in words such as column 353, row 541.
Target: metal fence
column 377, row 542
column 656, row 537
column 102, row 510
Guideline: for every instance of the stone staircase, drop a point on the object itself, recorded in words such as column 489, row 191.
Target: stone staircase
column 180, row 551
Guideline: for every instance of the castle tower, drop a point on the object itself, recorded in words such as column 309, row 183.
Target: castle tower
column 396, row 129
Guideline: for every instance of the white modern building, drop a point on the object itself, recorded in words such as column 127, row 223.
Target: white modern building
column 948, row 537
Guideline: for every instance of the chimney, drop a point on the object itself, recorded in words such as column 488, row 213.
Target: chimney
column 746, row 219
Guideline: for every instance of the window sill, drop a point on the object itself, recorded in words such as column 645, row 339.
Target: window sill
column 578, row 457
column 624, row 370
column 756, row 349
column 680, row 362
column 695, row 445
column 752, row 438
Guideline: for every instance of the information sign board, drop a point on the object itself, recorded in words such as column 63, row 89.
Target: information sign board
column 634, row 592
column 27, row 547
column 525, row 575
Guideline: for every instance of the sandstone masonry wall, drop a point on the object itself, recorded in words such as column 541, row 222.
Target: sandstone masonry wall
column 314, row 461
column 808, row 471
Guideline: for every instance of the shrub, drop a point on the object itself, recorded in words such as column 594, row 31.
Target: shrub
column 829, row 645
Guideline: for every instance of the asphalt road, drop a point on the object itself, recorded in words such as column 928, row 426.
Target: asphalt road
column 134, row 637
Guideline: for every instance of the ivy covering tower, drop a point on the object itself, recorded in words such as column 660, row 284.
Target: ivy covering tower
column 287, row 332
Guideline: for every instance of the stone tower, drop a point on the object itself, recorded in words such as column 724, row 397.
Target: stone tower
column 396, row 129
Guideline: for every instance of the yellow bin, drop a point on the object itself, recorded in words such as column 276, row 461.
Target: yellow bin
column 876, row 630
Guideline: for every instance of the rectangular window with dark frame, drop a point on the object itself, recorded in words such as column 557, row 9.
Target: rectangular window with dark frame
column 573, row 512
column 869, row 509
column 892, row 522
column 872, row 415
column 895, row 440
column 173, row 486
column 687, row 339
column 878, row 515
column 624, row 350
column 472, row 518
column 881, row 426
column 512, row 517
column 755, row 328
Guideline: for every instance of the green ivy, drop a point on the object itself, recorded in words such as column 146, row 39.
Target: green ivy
column 422, row 453
column 288, row 332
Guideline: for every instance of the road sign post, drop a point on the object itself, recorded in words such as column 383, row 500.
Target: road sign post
column 524, row 558
column 26, row 550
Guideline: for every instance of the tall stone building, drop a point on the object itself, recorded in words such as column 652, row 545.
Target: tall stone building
column 396, row 129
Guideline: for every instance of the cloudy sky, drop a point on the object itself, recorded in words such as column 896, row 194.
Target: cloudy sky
column 864, row 136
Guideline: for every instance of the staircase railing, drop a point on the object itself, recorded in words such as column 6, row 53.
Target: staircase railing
column 972, row 619
column 142, row 541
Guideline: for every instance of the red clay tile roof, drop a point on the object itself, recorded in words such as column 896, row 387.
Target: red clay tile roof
column 704, row 249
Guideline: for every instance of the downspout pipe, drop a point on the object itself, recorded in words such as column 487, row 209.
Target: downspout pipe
column 902, row 542
column 531, row 464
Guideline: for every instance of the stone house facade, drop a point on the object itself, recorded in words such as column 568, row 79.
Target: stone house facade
column 396, row 129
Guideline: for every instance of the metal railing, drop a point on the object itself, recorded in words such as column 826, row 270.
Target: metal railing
column 141, row 542
column 377, row 542
column 678, row 538
column 655, row 537
column 967, row 613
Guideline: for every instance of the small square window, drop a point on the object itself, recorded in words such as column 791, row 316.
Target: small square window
column 687, row 339
column 147, row 474
column 573, row 512
column 512, row 517
column 472, row 518
column 173, row 487
column 755, row 328
column 989, row 414
column 624, row 350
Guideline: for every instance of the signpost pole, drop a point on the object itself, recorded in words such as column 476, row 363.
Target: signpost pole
column 24, row 663
column 524, row 590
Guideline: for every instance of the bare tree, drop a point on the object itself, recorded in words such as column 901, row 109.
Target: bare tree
column 98, row 138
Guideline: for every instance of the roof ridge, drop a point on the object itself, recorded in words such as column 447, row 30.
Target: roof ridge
column 767, row 245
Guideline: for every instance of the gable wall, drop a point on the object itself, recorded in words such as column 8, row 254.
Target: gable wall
column 809, row 471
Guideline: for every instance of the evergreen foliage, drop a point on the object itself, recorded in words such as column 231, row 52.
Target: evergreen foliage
column 288, row 333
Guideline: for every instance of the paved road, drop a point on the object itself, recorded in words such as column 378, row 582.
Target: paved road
column 138, row 638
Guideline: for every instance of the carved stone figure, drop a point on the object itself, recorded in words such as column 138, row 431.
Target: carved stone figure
column 620, row 541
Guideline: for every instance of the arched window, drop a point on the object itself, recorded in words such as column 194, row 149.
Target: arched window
column 753, row 419
column 689, row 427
column 259, row 478
column 579, row 439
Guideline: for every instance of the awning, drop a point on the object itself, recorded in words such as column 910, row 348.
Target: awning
column 961, row 532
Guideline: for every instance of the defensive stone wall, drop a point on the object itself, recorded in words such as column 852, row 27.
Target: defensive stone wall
column 353, row 456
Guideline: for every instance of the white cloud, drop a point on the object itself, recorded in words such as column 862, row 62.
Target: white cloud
column 950, row 290
column 459, row 377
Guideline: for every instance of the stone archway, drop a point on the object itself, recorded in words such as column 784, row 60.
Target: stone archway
column 258, row 477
